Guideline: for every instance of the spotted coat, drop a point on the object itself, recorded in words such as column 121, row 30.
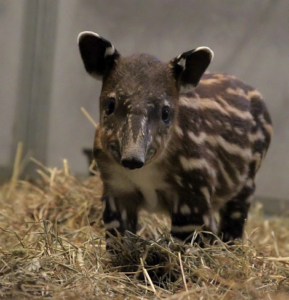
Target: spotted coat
column 174, row 139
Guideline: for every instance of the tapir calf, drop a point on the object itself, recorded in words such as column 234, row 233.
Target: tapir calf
column 173, row 138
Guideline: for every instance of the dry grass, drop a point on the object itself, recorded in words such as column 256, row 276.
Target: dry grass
column 52, row 246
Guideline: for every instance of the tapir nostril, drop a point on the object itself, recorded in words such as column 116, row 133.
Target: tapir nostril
column 132, row 163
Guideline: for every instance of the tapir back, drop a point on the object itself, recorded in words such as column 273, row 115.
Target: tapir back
column 222, row 136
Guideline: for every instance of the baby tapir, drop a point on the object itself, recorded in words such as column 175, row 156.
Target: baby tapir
column 171, row 138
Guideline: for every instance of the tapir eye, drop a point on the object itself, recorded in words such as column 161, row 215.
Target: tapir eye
column 110, row 106
column 166, row 114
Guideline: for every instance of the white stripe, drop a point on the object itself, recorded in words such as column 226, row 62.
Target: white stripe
column 197, row 163
column 238, row 92
column 231, row 148
column 210, row 81
column 112, row 224
column 257, row 136
column 254, row 93
column 189, row 101
column 236, row 215
column 268, row 127
column 235, row 111
column 111, row 203
column 227, row 178
column 124, row 215
column 198, row 139
column 179, row 131
column 208, row 103
column 182, row 62
column 206, row 193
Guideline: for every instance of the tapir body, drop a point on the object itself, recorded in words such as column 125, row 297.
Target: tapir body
column 175, row 139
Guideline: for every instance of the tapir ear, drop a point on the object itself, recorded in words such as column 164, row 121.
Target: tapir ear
column 189, row 67
column 98, row 54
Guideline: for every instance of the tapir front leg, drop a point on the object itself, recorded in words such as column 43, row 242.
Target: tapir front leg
column 120, row 214
column 190, row 213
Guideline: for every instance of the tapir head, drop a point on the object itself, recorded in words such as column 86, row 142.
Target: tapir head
column 139, row 97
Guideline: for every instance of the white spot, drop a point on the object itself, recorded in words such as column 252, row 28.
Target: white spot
column 182, row 62
column 111, row 203
column 124, row 215
column 185, row 210
column 250, row 182
column 178, row 180
column 228, row 126
column 204, row 190
column 166, row 103
column 176, row 206
column 196, row 210
column 109, row 241
column 186, row 88
column 258, row 158
column 236, row 215
column 206, row 221
column 257, row 136
column 109, row 51
column 103, row 206
column 186, row 228
column 250, row 199
column 159, row 139
column 213, row 225
column 112, row 224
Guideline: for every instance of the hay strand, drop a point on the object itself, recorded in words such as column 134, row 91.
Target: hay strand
column 88, row 116
column 16, row 169
column 52, row 245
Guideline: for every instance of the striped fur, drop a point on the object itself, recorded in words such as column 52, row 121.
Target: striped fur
column 171, row 139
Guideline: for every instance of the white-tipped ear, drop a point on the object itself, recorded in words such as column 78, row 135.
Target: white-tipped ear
column 206, row 49
column 97, row 53
column 190, row 66
column 84, row 33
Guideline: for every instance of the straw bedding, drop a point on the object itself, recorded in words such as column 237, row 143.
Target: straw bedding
column 52, row 247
